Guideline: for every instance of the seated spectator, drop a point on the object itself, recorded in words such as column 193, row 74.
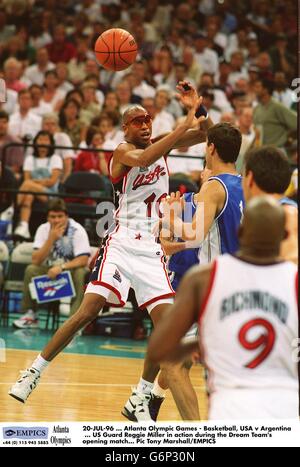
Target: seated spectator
column 141, row 87
column 50, row 124
column 111, row 102
column 124, row 94
column 62, row 72
column 39, row 107
column 42, row 171
column 282, row 92
column 163, row 122
column 208, row 102
column 238, row 70
column 90, row 106
column 70, row 123
column 61, row 244
column 92, row 161
column 51, row 94
column 10, row 106
column 186, row 167
column 207, row 82
column 60, row 49
column 207, row 58
column 282, row 59
column 76, row 65
column 108, row 125
column 14, row 157
column 250, row 135
column 12, row 73
column 194, row 70
column 6, row 30
column 24, row 122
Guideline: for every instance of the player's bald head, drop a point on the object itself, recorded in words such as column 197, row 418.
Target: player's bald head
column 263, row 226
column 132, row 112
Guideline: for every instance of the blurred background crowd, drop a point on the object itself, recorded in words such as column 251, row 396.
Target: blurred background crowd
column 241, row 55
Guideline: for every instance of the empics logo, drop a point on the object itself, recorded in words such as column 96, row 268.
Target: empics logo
column 24, row 432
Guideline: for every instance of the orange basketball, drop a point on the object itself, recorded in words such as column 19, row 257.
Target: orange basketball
column 116, row 49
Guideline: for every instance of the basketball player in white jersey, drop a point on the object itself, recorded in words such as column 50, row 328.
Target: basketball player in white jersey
column 246, row 309
column 130, row 255
column 267, row 171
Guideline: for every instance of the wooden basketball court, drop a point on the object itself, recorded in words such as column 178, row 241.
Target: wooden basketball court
column 81, row 388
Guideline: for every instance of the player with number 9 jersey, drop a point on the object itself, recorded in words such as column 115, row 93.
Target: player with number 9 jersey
column 256, row 322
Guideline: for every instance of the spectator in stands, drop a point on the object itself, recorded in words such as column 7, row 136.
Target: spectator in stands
column 24, row 122
column 281, row 58
column 12, row 73
column 60, row 49
column 194, row 70
column 15, row 155
column 38, row 106
column 6, row 30
column 62, row 72
column 76, row 66
column 124, row 94
column 35, row 74
column 207, row 82
column 163, row 122
column 50, row 124
column 108, row 125
column 61, row 244
column 111, row 102
column 250, row 135
column 209, row 103
column 187, row 168
column 238, row 69
column 51, row 93
column 90, row 106
column 264, row 65
column 42, row 171
column 207, row 58
column 273, row 119
column 282, row 92
column 92, row 161
column 70, row 123
column 141, row 87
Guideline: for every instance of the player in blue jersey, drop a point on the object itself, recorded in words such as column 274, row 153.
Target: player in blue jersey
column 213, row 229
column 267, row 171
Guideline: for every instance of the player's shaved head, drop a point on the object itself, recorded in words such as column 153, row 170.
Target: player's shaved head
column 131, row 111
column 263, row 227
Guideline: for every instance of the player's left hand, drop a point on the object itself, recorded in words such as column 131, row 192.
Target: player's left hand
column 189, row 98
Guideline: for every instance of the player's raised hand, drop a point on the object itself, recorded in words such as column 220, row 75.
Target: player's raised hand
column 187, row 94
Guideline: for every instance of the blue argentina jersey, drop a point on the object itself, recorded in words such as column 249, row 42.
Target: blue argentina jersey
column 180, row 262
column 223, row 234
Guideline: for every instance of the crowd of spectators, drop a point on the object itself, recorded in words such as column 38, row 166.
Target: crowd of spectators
column 240, row 55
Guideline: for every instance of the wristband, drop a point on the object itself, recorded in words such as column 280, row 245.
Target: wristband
column 201, row 112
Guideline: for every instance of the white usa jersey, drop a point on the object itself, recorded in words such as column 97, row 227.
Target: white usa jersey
column 248, row 328
column 138, row 193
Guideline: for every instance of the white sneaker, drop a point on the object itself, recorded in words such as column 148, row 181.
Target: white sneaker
column 22, row 230
column 27, row 321
column 136, row 408
column 25, row 385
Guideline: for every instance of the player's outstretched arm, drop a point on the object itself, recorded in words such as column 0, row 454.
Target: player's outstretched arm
column 126, row 155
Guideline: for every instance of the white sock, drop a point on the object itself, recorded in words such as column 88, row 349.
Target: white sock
column 40, row 364
column 158, row 390
column 144, row 386
column 24, row 223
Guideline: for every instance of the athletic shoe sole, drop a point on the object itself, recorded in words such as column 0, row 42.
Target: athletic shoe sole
column 130, row 416
column 16, row 397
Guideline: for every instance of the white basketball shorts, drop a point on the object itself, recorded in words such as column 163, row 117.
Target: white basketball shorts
column 130, row 259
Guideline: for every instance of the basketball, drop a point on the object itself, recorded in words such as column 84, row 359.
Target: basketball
column 115, row 49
